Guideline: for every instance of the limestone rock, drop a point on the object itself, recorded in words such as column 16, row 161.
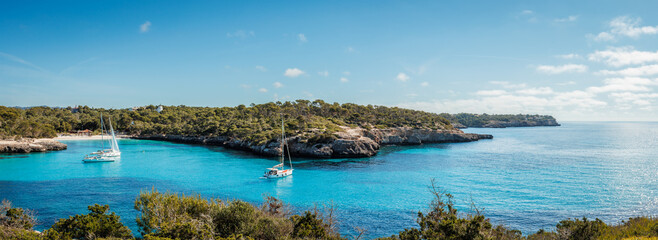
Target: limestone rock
column 30, row 145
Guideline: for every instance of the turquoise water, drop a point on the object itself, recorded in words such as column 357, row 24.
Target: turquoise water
column 525, row 178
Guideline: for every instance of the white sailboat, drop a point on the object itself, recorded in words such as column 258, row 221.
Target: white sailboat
column 105, row 155
column 279, row 171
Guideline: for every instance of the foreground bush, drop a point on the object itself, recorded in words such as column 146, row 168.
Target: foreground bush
column 96, row 224
column 442, row 221
column 16, row 223
column 166, row 215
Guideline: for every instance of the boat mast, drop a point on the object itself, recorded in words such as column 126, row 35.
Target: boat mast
column 283, row 150
column 283, row 157
column 102, row 128
column 113, row 143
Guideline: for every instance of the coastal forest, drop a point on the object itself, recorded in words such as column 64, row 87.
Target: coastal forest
column 257, row 123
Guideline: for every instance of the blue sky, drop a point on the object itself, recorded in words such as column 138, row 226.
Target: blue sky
column 585, row 60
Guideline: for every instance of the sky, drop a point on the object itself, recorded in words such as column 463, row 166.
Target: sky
column 575, row 60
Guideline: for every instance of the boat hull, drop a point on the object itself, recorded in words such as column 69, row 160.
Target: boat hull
column 96, row 160
column 279, row 174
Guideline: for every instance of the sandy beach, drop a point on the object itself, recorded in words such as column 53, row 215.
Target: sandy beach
column 94, row 137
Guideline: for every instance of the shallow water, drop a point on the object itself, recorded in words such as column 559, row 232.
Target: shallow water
column 525, row 178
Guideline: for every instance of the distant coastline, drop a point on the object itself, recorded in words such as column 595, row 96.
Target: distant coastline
column 469, row 120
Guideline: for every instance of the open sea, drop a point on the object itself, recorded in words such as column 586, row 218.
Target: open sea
column 524, row 178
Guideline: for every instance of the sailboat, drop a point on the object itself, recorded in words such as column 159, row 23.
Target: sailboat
column 279, row 171
column 105, row 155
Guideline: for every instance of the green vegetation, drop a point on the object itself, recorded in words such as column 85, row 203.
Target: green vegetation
column 96, row 224
column 256, row 123
column 170, row 216
column 17, row 122
column 16, row 223
column 443, row 222
column 167, row 216
column 499, row 120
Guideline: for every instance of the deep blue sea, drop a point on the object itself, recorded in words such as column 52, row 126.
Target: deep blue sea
column 524, row 178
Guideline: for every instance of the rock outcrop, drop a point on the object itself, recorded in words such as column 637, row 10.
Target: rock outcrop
column 351, row 142
column 30, row 145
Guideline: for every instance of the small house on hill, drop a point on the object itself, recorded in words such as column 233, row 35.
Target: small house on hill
column 86, row 133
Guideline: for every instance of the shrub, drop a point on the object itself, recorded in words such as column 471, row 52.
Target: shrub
column 165, row 215
column 15, row 217
column 96, row 224
column 442, row 221
column 580, row 229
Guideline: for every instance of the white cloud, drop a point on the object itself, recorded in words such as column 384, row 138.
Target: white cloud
column 562, row 69
column 506, row 84
column 262, row 90
column 626, row 84
column 343, row 79
column 424, row 84
column 577, row 98
column 261, row 68
column 293, row 72
column 145, row 27
column 626, row 26
column 241, row 34
column 21, row 61
column 641, row 99
column 567, row 83
column 350, row 50
column 302, row 38
column 621, row 56
column 577, row 101
column 604, row 36
column 568, row 56
column 527, row 12
column 346, row 73
column 571, row 18
column 277, row 84
column 403, row 77
column 536, row 91
column 618, row 88
column 491, row 92
column 647, row 70
column 324, row 73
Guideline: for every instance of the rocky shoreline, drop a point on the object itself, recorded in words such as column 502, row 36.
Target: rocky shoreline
column 30, row 145
column 350, row 143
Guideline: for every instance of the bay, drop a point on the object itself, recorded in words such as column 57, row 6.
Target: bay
column 524, row 178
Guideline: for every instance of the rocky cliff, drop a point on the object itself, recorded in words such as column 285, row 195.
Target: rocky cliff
column 30, row 145
column 351, row 142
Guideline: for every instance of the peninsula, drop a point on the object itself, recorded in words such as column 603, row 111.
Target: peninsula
column 466, row 120
column 314, row 128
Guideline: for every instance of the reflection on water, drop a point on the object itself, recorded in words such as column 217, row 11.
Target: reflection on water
column 10, row 156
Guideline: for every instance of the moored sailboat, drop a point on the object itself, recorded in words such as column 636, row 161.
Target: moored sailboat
column 279, row 170
column 105, row 155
